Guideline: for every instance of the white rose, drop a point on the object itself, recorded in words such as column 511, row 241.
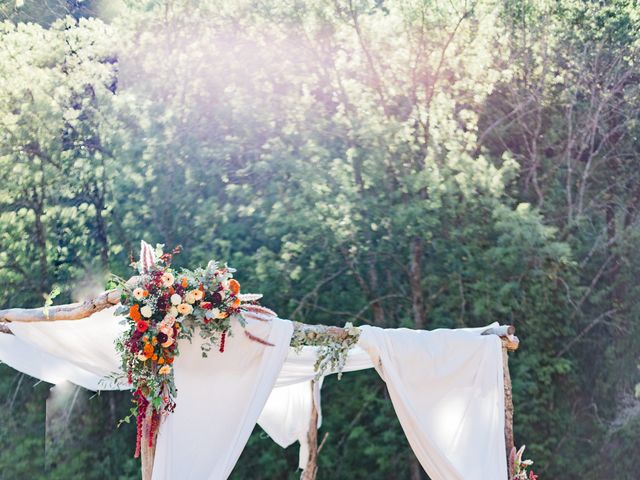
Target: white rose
column 176, row 299
column 190, row 297
column 138, row 293
column 173, row 311
column 146, row 311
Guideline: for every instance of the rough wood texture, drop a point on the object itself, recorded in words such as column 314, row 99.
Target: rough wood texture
column 508, row 400
column 147, row 454
column 338, row 333
column 74, row 311
column 311, row 471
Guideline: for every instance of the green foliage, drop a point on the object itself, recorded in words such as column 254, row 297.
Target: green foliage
column 398, row 163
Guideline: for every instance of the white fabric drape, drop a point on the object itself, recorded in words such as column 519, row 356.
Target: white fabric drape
column 80, row 351
column 287, row 413
column 447, row 390
column 219, row 401
column 28, row 359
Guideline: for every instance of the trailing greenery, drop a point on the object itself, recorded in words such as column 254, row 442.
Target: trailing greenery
column 399, row 163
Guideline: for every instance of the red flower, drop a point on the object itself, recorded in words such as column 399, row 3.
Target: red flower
column 142, row 326
column 206, row 305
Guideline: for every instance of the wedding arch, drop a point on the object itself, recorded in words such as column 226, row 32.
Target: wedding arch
column 451, row 389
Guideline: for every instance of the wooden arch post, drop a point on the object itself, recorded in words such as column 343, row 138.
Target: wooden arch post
column 508, row 345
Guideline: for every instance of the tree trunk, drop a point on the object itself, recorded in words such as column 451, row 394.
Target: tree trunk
column 415, row 281
column 41, row 243
column 101, row 234
column 416, row 469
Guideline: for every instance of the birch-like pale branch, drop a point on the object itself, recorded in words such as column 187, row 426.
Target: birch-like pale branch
column 78, row 311
column 74, row 311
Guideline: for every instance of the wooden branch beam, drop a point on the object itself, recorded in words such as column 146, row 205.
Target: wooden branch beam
column 338, row 333
column 505, row 332
column 78, row 311
column 75, row 311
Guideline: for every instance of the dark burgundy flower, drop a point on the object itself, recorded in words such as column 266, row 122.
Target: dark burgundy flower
column 162, row 337
column 216, row 298
column 162, row 304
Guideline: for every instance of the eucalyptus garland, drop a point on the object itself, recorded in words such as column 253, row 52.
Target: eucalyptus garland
column 333, row 345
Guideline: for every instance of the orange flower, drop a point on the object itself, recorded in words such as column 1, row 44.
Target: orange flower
column 184, row 283
column 134, row 312
column 172, row 290
column 145, row 293
column 154, row 357
column 236, row 303
column 234, row 285
column 148, row 350
column 160, row 360
column 169, row 360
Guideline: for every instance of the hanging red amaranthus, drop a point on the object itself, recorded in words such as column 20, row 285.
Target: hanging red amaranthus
column 143, row 404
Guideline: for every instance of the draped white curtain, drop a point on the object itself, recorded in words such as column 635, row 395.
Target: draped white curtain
column 287, row 414
column 26, row 358
column 219, row 400
column 447, row 390
column 80, row 351
column 446, row 387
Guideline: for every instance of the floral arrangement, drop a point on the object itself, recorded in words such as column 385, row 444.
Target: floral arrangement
column 518, row 467
column 162, row 306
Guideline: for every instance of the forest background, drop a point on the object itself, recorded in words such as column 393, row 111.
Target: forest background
column 409, row 163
